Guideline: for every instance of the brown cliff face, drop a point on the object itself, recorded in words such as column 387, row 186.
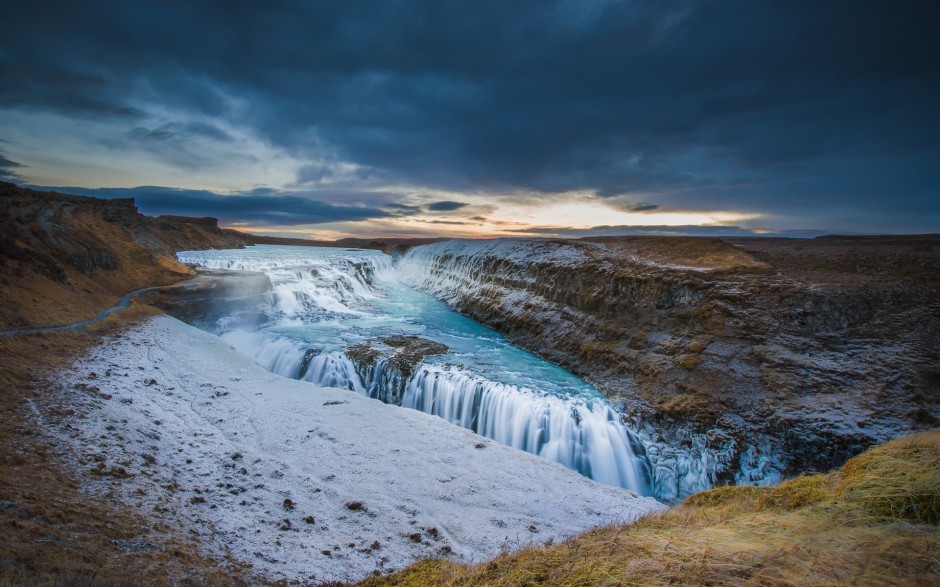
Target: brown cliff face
column 813, row 350
column 65, row 257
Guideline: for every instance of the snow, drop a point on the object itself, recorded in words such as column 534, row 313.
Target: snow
column 450, row 268
column 217, row 443
column 517, row 250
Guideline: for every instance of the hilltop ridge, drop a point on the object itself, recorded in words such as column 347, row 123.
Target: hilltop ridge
column 65, row 257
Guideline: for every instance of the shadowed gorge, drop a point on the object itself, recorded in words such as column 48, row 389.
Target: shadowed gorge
column 769, row 355
column 742, row 362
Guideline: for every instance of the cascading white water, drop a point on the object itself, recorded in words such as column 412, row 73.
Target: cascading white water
column 305, row 287
column 324, row 300
column 586, row 437
column 383, row 382
column 288, row 359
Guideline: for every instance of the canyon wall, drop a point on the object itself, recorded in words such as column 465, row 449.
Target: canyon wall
column 770, row 356
column 65, row 257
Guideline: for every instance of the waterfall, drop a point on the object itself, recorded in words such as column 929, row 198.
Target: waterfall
column 586, row 437
column 306, row 286
column 333, row 370
column 383, row 382
column 324, row 301
column 506, row 276
column 287, row 359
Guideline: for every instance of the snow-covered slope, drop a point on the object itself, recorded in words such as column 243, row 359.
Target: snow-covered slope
column 303, row 482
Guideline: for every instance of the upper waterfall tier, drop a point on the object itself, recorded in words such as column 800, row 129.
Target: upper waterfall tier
column 309, row 284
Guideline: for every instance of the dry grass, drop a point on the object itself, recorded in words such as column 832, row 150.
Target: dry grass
column 51, row 532
column 884, row 483
column 118, row 322
column 873, row 523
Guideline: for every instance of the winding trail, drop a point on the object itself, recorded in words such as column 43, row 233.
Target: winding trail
column 123, row 303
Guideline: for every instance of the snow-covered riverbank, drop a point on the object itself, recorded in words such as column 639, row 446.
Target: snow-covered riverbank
column 306, row 482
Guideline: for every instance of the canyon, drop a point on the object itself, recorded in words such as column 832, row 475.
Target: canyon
column 773, row 356
column 723, row 361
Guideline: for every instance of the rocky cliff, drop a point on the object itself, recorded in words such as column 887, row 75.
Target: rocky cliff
column 767, row 357
column 65, row 257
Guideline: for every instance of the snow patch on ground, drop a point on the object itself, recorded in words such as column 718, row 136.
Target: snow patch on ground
column 307, row 483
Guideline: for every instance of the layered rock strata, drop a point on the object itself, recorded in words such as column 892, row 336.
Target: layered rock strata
column 64, row 257
column 768, row 357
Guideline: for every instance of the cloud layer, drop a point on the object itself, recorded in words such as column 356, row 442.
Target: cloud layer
column 814, row 114
column 277, row 210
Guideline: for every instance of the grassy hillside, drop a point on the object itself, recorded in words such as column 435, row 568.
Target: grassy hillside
column 64, row 258
column 874, row 522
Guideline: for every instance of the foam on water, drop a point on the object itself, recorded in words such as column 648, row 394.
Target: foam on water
column 324, row 300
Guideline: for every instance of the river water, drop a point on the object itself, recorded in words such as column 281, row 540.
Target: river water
column 322, row 301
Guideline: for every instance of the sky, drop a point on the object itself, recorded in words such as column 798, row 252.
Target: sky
column 485, row 117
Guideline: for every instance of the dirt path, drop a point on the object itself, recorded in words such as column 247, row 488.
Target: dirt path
column 123, row 303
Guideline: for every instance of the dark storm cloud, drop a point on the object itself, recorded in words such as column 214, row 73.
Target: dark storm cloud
column 282, row 210
column 642, row 207
column 173, row 131
column 446, row 206
column 403, row 209
column 6, row 168
column 449, row 222
column 179, row 144
column 773, row 107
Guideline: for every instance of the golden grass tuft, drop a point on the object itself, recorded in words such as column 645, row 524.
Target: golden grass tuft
column 789, row 495
column 873, row 523
column 898, row 481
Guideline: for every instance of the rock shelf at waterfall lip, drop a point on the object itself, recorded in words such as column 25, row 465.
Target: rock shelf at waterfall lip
column 175, row 421
column 405, row 354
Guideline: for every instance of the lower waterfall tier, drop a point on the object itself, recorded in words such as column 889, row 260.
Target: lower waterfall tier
column 585, row 436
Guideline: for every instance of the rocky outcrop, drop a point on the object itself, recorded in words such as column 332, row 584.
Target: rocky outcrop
column 65, row 257
column 385, row 366
column 769, row 356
